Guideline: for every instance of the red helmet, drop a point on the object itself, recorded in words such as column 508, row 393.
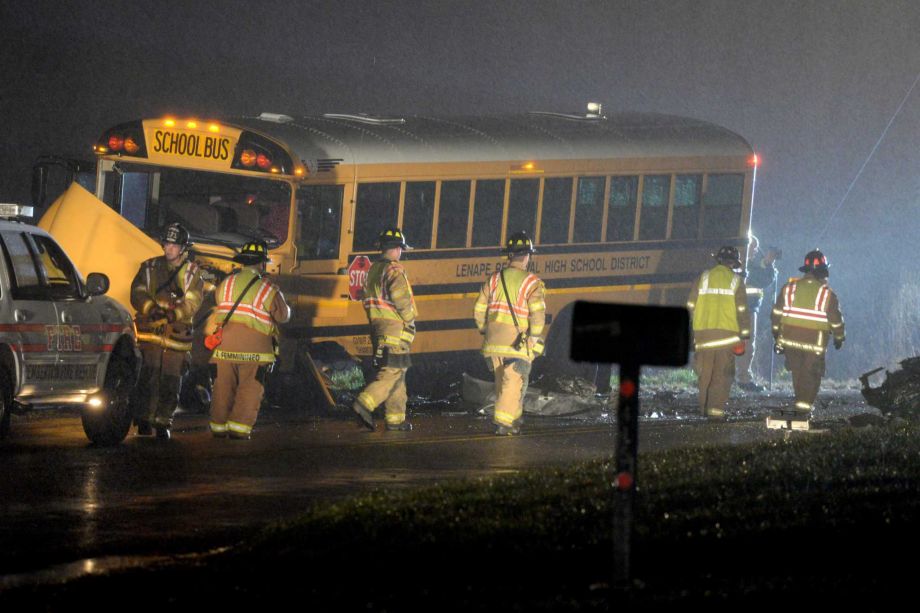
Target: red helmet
column 815, row 261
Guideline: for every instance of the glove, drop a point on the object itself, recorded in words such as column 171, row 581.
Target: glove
column 408, row 332
column 156, row 313
column 778, row 349
column 171, row 316
column 838, row 343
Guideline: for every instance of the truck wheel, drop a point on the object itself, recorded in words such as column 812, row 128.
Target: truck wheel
column 6, row 395
column 108, row 425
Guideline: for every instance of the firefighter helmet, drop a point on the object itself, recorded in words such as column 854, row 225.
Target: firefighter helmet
column 519, row 243
column 175, row 233
column 729, row 256
column 253, row 252
column 392, row 237
column 815, row 261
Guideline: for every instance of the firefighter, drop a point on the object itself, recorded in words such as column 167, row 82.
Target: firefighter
column 760, row 277
column 805, row 317
column 721, row 322
column 242, row 330
column 166, row 293
column 391, row 311
column 510, row 313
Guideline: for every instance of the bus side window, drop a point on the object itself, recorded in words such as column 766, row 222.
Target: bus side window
column 621, row 211
column 722, row 205
column 653, row 224
column 685, row 222
column 376, row 208
column 319, row 211
column 487, row 212
column 453, row 214
column 418, row 213
column 589, row 210
column 554, row 217
column 522, row 206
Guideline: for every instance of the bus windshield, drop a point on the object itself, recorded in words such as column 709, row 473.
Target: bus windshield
column 216, row 208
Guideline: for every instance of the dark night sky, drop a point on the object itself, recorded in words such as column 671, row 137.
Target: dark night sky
column 811, row 84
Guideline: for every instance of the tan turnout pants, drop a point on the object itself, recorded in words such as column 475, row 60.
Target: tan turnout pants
column 237, row 397
column 511, row 378
column 807, row 368
column 387, row 388
column 156, row 396
column 715, row 369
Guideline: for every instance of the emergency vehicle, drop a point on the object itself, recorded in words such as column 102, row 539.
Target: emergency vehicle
column 62, row 341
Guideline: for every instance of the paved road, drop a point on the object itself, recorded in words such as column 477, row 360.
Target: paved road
column 63, row 501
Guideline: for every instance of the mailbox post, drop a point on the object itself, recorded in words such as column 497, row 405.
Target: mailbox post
column 631, row 336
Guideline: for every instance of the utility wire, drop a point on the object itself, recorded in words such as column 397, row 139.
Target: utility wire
column 869, row 157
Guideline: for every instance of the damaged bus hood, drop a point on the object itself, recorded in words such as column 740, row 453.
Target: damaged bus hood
column 97, row 239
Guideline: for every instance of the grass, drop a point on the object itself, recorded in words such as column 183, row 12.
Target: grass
column 815, row 519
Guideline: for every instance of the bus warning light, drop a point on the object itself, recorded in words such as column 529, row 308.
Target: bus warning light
column 116, row 142
column 131, row 145
column 213, row 128
column 169, row 123
column 191, row 125
column 263, row 161
column 248, row 158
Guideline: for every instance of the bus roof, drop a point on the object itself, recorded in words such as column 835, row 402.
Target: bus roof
column 361, row 139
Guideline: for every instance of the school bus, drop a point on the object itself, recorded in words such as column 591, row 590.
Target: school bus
column 623, row 207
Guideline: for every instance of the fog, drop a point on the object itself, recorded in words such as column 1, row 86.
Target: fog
column 811, row 85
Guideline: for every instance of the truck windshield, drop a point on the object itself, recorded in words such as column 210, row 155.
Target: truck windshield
column 215, row 208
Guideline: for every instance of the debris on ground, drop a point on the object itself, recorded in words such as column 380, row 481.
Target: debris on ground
column 480, row 395
column 899, row 393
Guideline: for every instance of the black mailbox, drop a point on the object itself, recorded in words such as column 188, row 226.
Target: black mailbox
column 630, row 333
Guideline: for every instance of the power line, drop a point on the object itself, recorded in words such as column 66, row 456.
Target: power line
column 869, row 157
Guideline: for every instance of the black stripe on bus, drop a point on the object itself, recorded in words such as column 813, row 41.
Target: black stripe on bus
column 585, row 282
column 436, row 325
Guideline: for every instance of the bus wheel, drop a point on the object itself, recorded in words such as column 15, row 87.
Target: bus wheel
column 556, row 362
column 6, row 403
column 108, row 425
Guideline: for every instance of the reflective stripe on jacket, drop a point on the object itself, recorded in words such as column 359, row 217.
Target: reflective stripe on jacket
column 389, row 304
column 718, row 302
column 253, row 309
column 806, row 315
column 493, row 314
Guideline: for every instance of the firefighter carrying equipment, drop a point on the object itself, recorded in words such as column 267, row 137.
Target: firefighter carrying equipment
column 392, row 237
column 212, row 341
column 815, row 261
column 511, row 310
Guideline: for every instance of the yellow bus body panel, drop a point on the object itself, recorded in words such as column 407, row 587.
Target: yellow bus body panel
column 98, row 239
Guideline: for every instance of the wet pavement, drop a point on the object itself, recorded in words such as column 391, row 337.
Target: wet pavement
column 68, row 508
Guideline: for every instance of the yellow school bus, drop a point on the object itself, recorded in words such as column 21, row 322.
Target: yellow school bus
column 625, row 207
